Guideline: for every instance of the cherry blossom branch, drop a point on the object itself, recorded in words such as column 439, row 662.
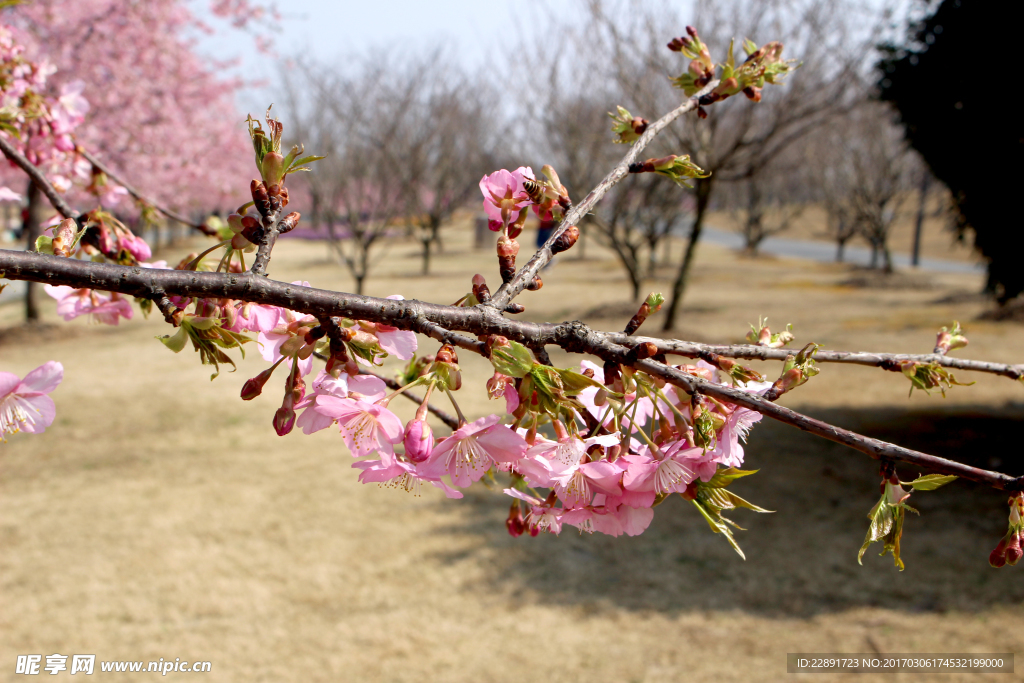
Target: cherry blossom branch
column 16, row 157
column 527, row 273
column 407, row 314
column 201, row 227
column 886, row 361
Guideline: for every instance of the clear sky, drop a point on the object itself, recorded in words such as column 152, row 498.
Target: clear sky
column 330, row 29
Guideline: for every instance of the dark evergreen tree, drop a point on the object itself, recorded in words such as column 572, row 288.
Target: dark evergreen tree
column 953, row 83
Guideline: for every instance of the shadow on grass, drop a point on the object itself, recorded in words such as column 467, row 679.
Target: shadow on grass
column 801, row 560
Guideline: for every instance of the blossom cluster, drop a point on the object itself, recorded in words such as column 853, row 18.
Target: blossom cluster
column 38, row 123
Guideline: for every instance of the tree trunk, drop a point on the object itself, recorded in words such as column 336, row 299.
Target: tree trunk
column 32, row 230
column 915, row 258
column 426, row 255
column 840, row 248
column 703, row 189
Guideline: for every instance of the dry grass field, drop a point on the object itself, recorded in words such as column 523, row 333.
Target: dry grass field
column 160, row 516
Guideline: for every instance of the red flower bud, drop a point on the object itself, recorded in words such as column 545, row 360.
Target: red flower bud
column 515, row 523
column 284, row 420
column 566, row 240
column 289, row 222
column 998, row 556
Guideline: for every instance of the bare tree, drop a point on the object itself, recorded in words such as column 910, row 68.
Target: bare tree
column 879, row 163
column 443, row 144
column 738, row 139
column 356, row 120
column 768, row 204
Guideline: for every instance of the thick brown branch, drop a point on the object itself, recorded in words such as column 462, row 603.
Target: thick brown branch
column 201, row 227
column 410, row 314
column 509, row 291
column 62, row 207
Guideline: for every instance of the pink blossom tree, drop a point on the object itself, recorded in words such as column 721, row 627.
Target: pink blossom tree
column 177, row 133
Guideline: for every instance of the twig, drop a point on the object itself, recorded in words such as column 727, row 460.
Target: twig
column 509, row 291
column 886, row 361
column 62, row 207
column 201, row 227
column 272, row 224
column 410, row 314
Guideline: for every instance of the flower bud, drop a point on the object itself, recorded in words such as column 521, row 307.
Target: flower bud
column 1013, row 550
column 997, row 558
column 64, row 237
column 284, row 420
column 260, row 197
column 272, row 168
column 289, row 222
column 515, row 523
column 254, row 387
column 419, row 440
column 565, row 240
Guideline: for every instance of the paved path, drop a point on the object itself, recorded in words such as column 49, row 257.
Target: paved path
column 825, row 252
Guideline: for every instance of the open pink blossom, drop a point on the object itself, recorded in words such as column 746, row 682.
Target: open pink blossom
column 728, row 449
column 575, row 486
column 504, row 195
column 366, row 427
column 24, row 404
column 361, row 387
column 100, row 306
column 400, row 474
column 670, row 471
column 472, row 450
column 399, row 343
column 257, row 318
column 9, row 195
column 542, row 516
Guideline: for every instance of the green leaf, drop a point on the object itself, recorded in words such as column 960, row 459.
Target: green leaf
column 717, row 525
column 44, row 244
column 514, row 360
column 749, row 46
column 177, row 342
column 575, row 382
column 730, row 61
column 726, row 476
column 930, row 482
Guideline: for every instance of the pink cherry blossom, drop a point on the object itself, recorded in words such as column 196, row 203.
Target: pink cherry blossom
column 728, row 450
column 473, row 449
column 24, row 404
column 671, row 471
column 100, row 306
column 399, row 343
column 542, row 516
column 9, row 195
column 361, row 387
column 576, row 485
column 504, row 195
column 400, row 474
column 366, row 427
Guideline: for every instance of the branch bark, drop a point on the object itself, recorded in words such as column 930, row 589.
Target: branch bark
column 439, row 321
